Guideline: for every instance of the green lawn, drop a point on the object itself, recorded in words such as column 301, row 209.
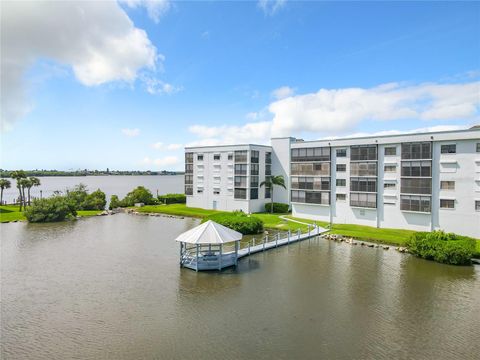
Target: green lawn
column 178, row 210
column 10, row 213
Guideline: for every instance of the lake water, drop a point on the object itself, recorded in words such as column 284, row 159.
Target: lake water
column 112, row 185
column 111, row 288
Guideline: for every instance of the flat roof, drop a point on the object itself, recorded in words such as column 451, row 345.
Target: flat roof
column 228, row 145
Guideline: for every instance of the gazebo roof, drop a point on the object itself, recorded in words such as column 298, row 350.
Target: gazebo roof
column 209, row 232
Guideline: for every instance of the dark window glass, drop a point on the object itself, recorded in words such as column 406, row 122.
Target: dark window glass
column 310, row 154
column 268, row 158
column 391, row 150
column 363, row 152
column 477, row 205
column 216, row 157
column 478, row 147
column 240, row 181
column 188, row 179
column 240, row 169
column 254, row 155
column 416, row 186
column 417, row 168
column 363, row 200
column 254, row 169
column 417, row 150
column 268, row 169
column 363, row 184
column 253, row 181
column 230, row 156
column 389, row 185
column 341, row 196
column 267, row 193
column 415, row 203
column 188, row 190
column 341, row 182
column 341, row 167
column 241, row 156
column 448, row 149
column 447, row 204
column 189, row 168
column 240, row 194
column 341, row 152
column 189, row 158
column 254, row 194
column 200, row 157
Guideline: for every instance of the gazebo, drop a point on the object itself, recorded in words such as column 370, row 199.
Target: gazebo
column 201, row 248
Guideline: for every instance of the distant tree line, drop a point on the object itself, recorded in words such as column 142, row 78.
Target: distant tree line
column 86, row 172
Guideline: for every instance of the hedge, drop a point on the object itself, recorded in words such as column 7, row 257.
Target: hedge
column 277, row 207
column 447, row 248
column 173, row 199
column 55, row 208
column 238, row 221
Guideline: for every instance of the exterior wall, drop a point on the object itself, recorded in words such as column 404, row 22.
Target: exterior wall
column 462, row 167
column 213, row 176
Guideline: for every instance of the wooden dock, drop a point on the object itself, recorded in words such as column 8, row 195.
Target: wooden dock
column 228, row 259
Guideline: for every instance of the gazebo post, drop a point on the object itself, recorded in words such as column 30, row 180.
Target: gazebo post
column 220, row 258
column 196, row 267
column 181, row 254
column 236, row 252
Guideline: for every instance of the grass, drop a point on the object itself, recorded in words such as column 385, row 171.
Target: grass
column 10, row 213
column 177, row 210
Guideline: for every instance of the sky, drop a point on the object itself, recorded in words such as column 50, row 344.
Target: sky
column 128, row 84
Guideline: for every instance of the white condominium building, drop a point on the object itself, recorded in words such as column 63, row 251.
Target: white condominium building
column 424, row 181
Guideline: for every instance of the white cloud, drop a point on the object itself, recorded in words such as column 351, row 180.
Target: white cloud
column 270, row 7
column 331, row 111
column 95, row 38
column 157, row 145
column 155, row 8
column 131, row 132
column 174, row 146
column 282, row 92
column 157, row 86
column 166, row 161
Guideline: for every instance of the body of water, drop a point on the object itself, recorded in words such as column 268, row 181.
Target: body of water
column 111, row 288
column 111, row 185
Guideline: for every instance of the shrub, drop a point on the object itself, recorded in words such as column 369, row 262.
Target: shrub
column 173, row 199
column 238, row 221
column 277, row 207
column 94, row 201
column 447, row 248
column 114, row 202
column 56, row 208
column 138, row 195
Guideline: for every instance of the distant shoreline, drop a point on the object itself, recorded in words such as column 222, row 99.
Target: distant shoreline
column 6, row 173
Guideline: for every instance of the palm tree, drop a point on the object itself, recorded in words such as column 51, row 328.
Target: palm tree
column 24, row 183
column 19, row 175
column 270, row 182
column 33, row 181
column 4, row 184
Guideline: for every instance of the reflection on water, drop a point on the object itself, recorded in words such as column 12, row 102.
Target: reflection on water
column 111, row 287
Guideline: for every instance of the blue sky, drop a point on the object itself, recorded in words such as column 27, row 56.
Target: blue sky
column 216, row 72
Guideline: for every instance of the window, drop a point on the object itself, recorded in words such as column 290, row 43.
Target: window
column 268, row 158
column 240, row 194
column 341, row 152
column 477, row 205
column 311, row 154
column 240, row 169
column 268, row 169
column 363, row 200
column 254, row 181
column 341, row 197
column 254, row 156
column 389, row 186
column 254, row 169
column 189, row 158
column 216, row 191
column 447, row 185
column 341, row 167
column 216, row 157
column 200, row 157
column 241, row 156
column 253, row 194
column 420, row 150
column 363, row 184
column 188, row 179
column 240, row 181
column 199, row 191
column 188, row 190
column 390, row 168
column 311, row 169
column 230, row 157
column 189, row 168
column 310, row 183
column 363, row 168
column 415, row 203
column 417, row 168
column 447, row 204
column 448, row 149
column 341, row 182
column 363, row 152
column 478, row 147
column 416, row 186
column 267, row 193
column 390, row 151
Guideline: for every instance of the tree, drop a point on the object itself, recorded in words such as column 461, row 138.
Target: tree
column 24, row 183
column 138, row 195
column 18, row 175
column 55, row 208
column 4, row 184
column 34, row 181
column 270, row 182
column 94, row 201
